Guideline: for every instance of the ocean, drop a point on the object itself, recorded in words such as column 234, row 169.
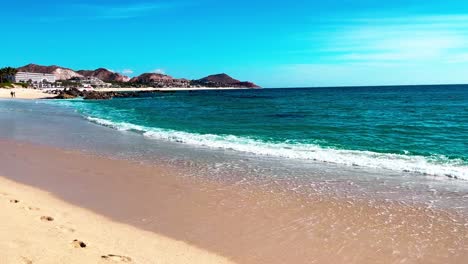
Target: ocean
column 409, row 129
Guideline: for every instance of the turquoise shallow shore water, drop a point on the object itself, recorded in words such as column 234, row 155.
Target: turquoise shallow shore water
column 421, row 129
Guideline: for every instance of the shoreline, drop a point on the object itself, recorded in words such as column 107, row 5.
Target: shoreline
column 245, row 225
column 34, row 94
column 129, row 89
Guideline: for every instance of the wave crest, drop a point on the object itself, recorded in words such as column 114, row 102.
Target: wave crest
column 437, row 166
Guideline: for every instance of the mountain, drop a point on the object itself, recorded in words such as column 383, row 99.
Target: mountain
column 223, row 80
column 60, row 73
column 104, row 75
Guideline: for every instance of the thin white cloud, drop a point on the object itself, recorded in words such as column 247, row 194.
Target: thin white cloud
column 127, row 71
column 109, row 11
column 125, row 11
column 399, row 42
column 159, row 71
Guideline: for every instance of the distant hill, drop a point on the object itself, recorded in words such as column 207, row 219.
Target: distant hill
column 145, row 79
column 60, row 73
column 219, row 78
column 224, row 80
column 104, row 75
column 150, row 78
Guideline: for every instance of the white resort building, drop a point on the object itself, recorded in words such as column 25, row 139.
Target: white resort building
column 24, row 77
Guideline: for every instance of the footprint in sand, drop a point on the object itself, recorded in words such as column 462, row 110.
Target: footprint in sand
column 47, row 218
column 78, row 244
column 117, row 258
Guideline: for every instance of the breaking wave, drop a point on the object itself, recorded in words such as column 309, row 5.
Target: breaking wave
column 434, row 165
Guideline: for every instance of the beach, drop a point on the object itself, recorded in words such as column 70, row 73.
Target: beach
column 38, row 227
column 148, row 214
column 23, row 93
column 133, row 194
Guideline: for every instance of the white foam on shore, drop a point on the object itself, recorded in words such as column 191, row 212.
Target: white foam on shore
column 436, row 166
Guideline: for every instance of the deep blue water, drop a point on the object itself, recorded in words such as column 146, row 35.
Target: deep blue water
column 422, row 129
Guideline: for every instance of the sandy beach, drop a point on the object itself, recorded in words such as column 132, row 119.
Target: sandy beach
column 37, row 227
column 150, row 215
column 22, row 93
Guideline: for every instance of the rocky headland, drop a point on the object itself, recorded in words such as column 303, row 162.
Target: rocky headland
column 94, row 95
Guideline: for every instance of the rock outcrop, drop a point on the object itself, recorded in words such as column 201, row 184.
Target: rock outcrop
column 104, row 75
column 94, row 95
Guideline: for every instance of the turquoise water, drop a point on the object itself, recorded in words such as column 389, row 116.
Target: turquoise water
column 421, row 129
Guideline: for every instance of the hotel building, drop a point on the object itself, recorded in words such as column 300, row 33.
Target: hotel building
column 33, row 77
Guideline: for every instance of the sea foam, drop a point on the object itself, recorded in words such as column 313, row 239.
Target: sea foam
column 436, row 166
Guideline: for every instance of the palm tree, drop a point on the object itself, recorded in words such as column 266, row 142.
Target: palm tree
column 7, row 73
column 2, row 74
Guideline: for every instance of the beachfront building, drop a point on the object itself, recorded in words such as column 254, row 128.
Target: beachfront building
column 33, row 77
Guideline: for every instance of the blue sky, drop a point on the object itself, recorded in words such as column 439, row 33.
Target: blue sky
column 274, row 43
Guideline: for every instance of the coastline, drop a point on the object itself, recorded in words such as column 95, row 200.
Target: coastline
column 245, row 225
column 130, row 89
column 33, row 94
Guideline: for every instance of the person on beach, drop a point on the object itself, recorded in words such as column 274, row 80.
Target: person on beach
column 12, row 94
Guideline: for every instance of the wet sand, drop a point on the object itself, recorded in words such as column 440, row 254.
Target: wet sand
column 245, row 224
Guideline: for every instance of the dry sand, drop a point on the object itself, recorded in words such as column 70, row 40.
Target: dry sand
column 36, row 227
column 22, row 93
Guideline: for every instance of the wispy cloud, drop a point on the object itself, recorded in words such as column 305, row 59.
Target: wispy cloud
column 441, row 38
column 127, row 71
column 160, row 71
column 125, row 11
column 91, row 11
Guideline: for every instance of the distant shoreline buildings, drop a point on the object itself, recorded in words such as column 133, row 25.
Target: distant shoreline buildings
column 33, row 77
column 46, row 80
column 54, row 76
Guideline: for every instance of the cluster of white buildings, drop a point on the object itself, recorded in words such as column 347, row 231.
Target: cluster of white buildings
column 39, row 80
column 89, row 82
column 45, row 80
